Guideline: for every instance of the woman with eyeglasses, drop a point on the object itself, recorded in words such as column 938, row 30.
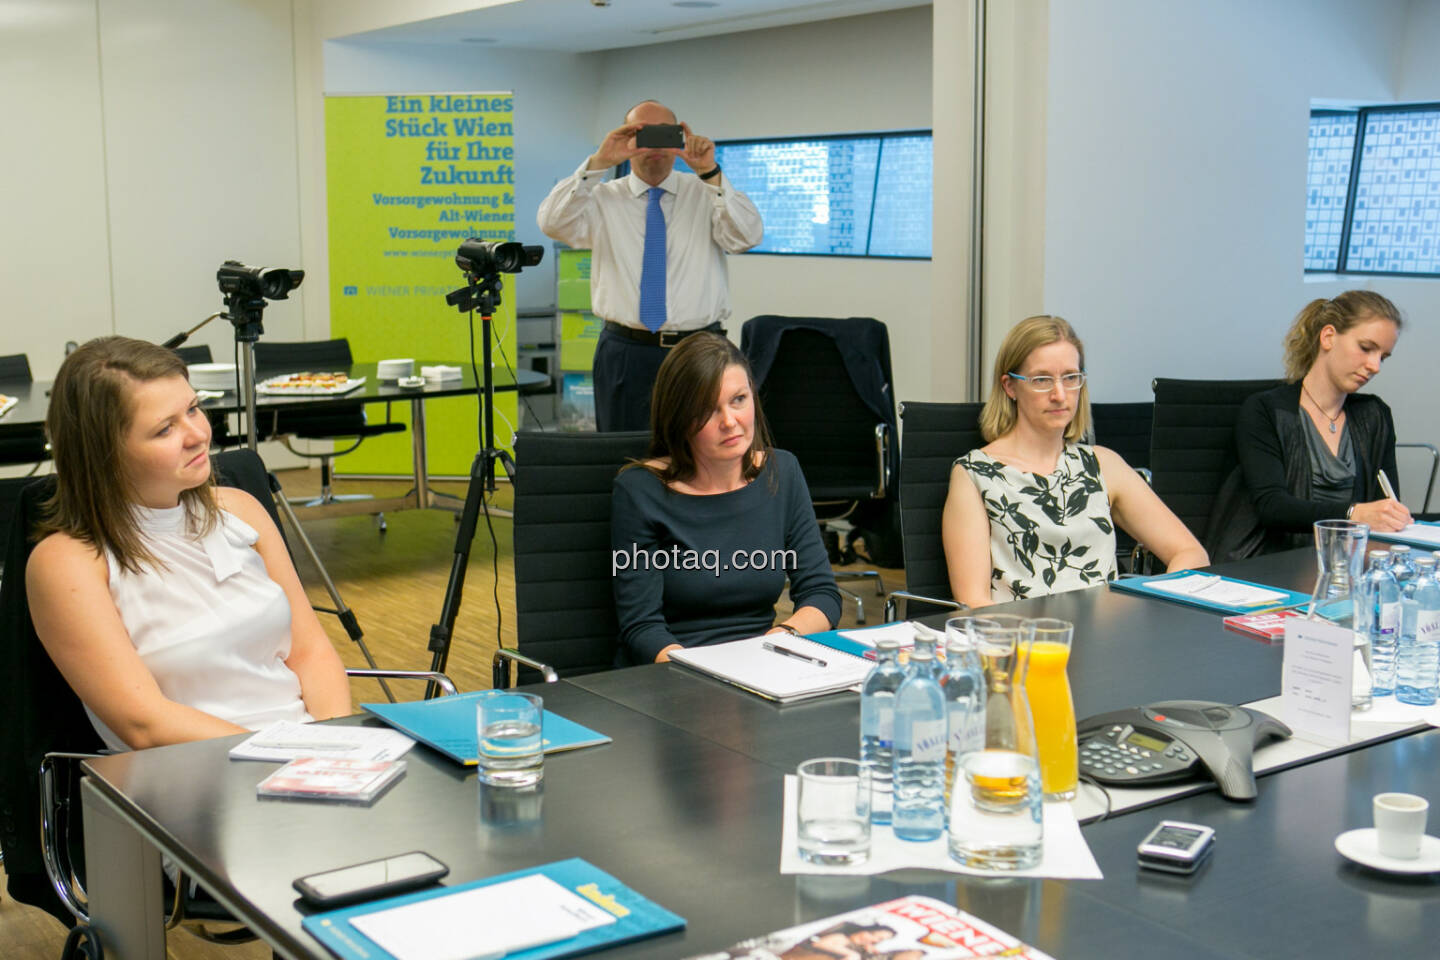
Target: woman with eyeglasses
column 1313, row 448
column 1033, row 511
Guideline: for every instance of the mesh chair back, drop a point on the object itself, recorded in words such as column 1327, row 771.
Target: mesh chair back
column 319, row 356
column 1125, row 428
column 932, row 436
column 1192, row 443
column 815, row 412
column 564, row 603
column 200, row 353
column 16, row 367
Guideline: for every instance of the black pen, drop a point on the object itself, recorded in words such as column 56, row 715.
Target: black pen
column 787, row 652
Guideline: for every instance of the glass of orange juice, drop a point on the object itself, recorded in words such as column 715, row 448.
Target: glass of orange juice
column 1047, row 649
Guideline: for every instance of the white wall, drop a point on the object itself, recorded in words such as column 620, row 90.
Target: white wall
column 1175, row 182
column 838, row 76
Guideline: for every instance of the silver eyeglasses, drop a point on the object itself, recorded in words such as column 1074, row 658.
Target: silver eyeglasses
column 1044, row 384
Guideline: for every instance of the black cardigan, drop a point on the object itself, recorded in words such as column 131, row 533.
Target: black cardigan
column 1266, row 504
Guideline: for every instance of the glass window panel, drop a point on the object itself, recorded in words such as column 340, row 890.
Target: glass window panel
column 901, row 224
column 1394, row 226
column 1332, row 146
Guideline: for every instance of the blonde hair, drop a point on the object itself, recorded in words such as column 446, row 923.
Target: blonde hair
column 999, row 416
column 1302, row 340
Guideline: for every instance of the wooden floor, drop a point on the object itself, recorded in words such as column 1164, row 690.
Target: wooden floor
column 395, row 584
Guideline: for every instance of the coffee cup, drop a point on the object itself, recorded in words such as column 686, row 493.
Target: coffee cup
column 1400, row 824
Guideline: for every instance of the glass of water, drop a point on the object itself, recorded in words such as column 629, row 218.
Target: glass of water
column 833, row 811
column 512, row 751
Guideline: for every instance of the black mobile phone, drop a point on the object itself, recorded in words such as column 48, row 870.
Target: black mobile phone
column 374, row 878
column 660, row 135
column 1176, row 847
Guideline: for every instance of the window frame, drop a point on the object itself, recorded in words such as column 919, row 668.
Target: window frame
column 882, row 135
column 1362, row 115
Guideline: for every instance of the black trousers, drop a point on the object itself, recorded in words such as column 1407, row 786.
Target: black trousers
column 624, row 374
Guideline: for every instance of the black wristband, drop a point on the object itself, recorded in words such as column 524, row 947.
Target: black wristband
column 714, row 172
column 789, row 629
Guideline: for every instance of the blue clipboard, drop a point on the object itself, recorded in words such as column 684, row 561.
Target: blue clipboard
column 636, row 916
column 1140, row 586
column 447, row 724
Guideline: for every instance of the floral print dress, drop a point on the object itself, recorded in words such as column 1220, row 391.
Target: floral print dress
column 1049, row 533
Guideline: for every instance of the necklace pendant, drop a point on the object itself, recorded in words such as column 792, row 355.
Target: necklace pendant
column 1332, row 426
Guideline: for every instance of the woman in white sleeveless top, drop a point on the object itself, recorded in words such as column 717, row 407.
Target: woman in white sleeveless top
column 169, row 604
column 1033, row 511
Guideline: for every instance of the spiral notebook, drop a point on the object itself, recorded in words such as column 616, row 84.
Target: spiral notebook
column 778, row 666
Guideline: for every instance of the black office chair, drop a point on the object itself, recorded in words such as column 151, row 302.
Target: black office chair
column 333, row 421
column 564, row 601
column 1192, row 445
column 935, row 435
column 825, row 386
column 27, row 444
column 46, row 733
column 1125, row 428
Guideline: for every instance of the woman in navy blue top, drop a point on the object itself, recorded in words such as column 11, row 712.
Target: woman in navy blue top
column 706, row 529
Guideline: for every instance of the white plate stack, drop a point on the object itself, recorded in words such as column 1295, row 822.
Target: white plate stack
column 213, row 376
column 395, row 369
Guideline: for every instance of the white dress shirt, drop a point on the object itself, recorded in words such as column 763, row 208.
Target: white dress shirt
column 704, row 220
column 212, row 628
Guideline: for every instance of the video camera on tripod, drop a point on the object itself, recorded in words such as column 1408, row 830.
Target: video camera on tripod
column 482, row 262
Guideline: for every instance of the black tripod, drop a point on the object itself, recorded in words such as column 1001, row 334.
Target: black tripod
column 482, row 292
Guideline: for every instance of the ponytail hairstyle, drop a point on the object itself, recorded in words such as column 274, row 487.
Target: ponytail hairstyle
column 1302, row 341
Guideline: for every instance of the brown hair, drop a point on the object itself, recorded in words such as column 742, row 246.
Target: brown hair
column 1302, row 340
column 89, row 415
column 999, row 416
column 686, row 388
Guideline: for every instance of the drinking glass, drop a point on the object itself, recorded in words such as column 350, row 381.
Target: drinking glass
column 833, row 811
column 1340, row 557
column 996, row 813
column 512, row 745
column 1047, row 686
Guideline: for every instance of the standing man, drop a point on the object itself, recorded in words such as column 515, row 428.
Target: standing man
column 659, row 239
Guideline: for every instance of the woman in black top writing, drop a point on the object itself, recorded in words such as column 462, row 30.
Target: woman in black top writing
column 706, row 529
column 1312, row 449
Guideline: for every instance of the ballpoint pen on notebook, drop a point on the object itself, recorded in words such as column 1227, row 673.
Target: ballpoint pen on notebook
column 793, row 654
column 1385, row 486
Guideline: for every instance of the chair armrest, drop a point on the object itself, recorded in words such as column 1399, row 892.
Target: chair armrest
column 907, row 596
column 500, row 672
column 439, row 679
column 1145, row 473
column 1434, row 465
column 882, row 453
column 63, row 879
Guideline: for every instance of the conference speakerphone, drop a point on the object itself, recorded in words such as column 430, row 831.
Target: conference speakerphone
column 1174, row 740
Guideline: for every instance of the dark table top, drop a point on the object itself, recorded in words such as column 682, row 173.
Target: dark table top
column 34, row 398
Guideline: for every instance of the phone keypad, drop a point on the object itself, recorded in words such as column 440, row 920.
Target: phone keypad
column 1107, row 757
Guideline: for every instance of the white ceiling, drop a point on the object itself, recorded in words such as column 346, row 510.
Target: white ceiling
column 579, row 26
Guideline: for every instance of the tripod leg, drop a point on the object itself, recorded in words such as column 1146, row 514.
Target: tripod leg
column 346, row 615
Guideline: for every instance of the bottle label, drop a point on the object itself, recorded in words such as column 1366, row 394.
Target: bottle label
column 927, row 741
column 1427, row 626
column 967, row 731
column 1388, row 619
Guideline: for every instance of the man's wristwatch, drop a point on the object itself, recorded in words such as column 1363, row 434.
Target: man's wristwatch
column 711, row 174
column 789, row 629
column 1350, row 511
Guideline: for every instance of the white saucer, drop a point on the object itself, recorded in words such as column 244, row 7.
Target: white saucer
column 1360, row 846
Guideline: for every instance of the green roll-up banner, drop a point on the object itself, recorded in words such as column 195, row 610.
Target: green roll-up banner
column 409, row 177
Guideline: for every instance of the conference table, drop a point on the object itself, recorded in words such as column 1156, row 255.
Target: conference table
column 33, row 401
column 684, row 806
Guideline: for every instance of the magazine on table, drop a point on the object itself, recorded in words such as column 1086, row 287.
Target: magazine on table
column 910, row 928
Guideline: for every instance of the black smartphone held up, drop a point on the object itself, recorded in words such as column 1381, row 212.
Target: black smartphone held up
column 654, row 136
column 1176, row 847
column 372, row 879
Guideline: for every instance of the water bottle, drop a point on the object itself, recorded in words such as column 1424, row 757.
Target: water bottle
column 1377, row 614
column 920, row 730
column 964, row 684
column 1417, row 669
column 877, row 726
column 1402, row 564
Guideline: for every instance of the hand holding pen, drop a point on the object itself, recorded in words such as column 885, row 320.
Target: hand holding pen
column 1383, row 516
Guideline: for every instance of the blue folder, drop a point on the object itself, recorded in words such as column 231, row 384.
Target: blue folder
column 447, row 724
column 1141, row 586
column 637, row 916
column 1398, row 538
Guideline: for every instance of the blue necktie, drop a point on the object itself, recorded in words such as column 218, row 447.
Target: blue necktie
column 652, row 265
